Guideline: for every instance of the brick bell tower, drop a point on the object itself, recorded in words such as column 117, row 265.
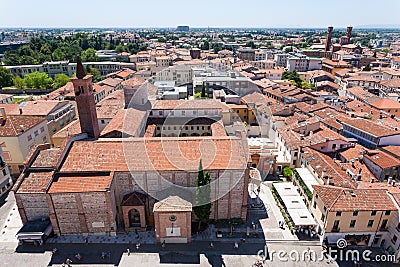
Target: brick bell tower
column 83, row 88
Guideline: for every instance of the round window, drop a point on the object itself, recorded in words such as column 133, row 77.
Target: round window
column 172, row 218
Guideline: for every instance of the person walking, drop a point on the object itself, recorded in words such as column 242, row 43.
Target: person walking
column 236, row 246
column 68, row 262
column 128, row 251
column 163, row 244
column 211, row 245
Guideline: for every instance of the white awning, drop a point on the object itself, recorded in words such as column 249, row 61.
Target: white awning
column 308, row 178
column 294, row 204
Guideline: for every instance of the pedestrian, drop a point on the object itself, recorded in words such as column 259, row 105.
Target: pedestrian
column 109, row 254
column 211, row 245
column 86, row 240
column 236, row 246
column 68, row 262
column 103, row 255
column 163, row 244
column 128, row 251
column 137, row 245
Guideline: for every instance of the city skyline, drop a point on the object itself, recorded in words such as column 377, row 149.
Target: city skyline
column 44, row 14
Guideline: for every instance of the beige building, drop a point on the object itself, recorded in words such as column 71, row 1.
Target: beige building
column 18, row 135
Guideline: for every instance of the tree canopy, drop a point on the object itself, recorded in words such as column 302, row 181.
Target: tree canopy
column 6, row 78
column 38, row 80
column 60, row 80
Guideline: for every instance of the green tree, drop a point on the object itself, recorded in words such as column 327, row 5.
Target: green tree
column 203, row 92
column 58, row 54
column 292, row 76
column 96, row 74
column 205, row 46
column 6, row 78
column 367, row 68
column 38, row 80
column 287, row 172
column 89, row 55
column 203, row 196
column 18, row 82
column 60, row 80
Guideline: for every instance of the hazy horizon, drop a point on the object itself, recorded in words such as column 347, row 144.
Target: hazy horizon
column 207, row 13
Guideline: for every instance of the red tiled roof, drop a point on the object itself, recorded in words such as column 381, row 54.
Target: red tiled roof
column 12, row 125
column 128, row 127
column 152, row 154
column 81, row 183
column 36, row 182
column 340, row 199
column 382, row 159
column 385, row 103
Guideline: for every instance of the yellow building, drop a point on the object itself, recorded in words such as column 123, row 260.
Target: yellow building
column 360, row 216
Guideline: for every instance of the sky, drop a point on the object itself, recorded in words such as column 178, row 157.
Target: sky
column 200, row 13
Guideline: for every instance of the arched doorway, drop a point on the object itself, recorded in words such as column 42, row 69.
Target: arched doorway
column 134, row 218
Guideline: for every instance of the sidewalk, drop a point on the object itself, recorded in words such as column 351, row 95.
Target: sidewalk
column 271, row 224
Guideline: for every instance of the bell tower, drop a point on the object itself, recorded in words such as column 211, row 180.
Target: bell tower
column 84, row 97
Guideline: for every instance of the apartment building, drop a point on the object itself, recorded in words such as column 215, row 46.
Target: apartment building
column 302, row 63
column 370, row 133
column 65, row 67
column 360, row 216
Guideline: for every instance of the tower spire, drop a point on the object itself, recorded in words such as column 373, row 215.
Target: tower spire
column 80, row 70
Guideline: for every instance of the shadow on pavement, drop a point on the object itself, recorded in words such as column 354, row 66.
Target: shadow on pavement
column 179, row 254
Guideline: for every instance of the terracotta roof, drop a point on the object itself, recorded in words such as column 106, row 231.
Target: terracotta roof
column 395, row 150
column 134, row 82
column 172, row 153
column 382, row 159
column 340, row 199
column 257, row 98
column 394, row 83
column 189, row 104
column 69, row 130
column 363, row 78
column 126, row 122
column 172, row 203
column 47, row 158
column 370, row 127
column 35, row 182
column 385, row 103
column 12, row 125
column 327, row 168
column 34, row 108
column 110, row 81
column 81, row 183
column 354, row 152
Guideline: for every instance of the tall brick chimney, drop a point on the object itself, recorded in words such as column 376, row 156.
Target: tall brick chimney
column 84, row 97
